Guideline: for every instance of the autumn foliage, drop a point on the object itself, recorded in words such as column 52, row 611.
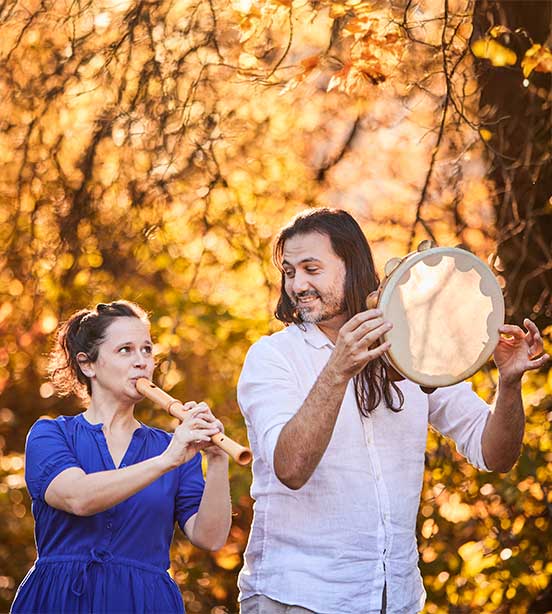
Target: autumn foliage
column 151, row 150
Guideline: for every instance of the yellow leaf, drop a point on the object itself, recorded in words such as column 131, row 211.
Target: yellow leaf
column 496, row 53
column 496, row 31
column 485, row 134
column 470, row 549
column 338, row 10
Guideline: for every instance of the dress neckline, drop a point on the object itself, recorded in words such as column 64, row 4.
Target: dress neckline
column 99, row 426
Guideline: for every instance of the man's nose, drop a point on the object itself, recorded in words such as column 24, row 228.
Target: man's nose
column 300, row 283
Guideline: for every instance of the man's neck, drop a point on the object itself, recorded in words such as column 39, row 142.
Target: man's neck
column 332, row 327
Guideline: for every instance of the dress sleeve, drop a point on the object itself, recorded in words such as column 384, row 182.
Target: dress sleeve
column 457, row 412
column 268, row 396
column 191, row 485
column 47, row 454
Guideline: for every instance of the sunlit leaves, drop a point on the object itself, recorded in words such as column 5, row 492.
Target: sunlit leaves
column 491, row 50
column 538, row 58
column 152, row 150
column 486, row 135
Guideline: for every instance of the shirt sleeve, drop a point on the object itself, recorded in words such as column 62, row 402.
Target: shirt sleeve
column 269, row 396
column 191, row 485
column 47, row 454
column 457, row 412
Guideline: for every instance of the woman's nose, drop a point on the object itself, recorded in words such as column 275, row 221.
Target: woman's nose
column 140, row 360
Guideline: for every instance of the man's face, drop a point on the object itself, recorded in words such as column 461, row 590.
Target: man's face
column 314, row 278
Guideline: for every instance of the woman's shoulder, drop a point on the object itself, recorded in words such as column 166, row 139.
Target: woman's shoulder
column 47, row 424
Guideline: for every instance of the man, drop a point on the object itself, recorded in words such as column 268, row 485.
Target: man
column 339, row 446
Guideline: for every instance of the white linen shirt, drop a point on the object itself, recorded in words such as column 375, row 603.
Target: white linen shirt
column 332, row 545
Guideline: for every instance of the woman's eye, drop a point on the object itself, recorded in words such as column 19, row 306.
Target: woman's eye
column 147, row 350
column 311, row 269
column 125, row 349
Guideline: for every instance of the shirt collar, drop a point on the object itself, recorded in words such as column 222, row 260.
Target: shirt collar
column 314, row 336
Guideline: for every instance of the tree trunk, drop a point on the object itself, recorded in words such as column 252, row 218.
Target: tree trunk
column 517, row 113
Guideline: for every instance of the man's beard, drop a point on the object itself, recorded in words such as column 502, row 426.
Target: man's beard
column 330, row 305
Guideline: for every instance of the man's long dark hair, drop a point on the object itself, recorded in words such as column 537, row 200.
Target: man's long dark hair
column 349, row 244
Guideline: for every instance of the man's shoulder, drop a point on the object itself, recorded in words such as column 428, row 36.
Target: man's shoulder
column 280, row 340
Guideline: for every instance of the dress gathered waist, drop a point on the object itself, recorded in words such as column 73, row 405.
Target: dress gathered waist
column 67, row 558
column 95, row 556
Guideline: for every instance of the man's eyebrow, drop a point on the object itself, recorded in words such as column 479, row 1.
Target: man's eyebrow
column 303, row 261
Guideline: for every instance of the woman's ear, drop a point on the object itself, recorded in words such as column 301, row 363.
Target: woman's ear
column 85, row 364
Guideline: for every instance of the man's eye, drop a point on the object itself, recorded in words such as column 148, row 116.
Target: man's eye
column 125, row 349
column 311, row 269
column 147, row 350
column 289, row 274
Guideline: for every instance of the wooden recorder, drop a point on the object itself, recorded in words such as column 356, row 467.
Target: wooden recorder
column 174, row 407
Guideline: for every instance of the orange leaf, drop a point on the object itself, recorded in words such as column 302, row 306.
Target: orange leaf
column 537, row 58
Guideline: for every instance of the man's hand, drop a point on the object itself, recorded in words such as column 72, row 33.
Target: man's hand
column 519, row 351
column 356, row 345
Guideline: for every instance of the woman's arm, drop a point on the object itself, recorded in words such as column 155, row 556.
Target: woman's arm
column 209, row 527
column 83, row 494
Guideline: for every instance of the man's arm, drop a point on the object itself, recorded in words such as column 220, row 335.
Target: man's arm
column 503, row 433
column 304, row 439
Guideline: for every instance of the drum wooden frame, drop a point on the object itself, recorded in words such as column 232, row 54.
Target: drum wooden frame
column 446, row 307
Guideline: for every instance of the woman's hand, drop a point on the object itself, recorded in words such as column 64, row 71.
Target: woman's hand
column 194, row 433
column 212, row 451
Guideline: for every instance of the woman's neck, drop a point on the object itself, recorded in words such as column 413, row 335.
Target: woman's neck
column 112, row 414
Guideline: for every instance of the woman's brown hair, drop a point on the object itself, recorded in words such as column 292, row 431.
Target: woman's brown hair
column 84, row 332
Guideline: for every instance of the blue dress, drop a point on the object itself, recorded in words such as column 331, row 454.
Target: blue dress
column 116, row 560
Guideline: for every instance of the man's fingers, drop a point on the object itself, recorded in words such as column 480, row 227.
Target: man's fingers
column 536, row 345
column 371, row 352
column 366, row 326
column 359, row 319
column 512, row 330
column 537, row 363
column 372, row 300
column 372, row 334
column 378, row 351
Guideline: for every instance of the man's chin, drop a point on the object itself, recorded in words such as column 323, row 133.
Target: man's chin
column 310, row 316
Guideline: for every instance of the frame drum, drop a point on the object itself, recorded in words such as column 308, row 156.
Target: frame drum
column 446, row 307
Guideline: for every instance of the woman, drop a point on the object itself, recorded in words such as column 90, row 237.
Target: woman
column 106, row 489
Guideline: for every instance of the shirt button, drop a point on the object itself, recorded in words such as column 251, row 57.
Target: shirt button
column 123, row 464
column 109, row 525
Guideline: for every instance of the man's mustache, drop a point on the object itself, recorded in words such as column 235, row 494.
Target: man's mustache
column 297, row 297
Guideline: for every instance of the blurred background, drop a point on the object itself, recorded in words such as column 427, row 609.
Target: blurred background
column 150, row 150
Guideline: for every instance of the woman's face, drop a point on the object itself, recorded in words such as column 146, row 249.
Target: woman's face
column 125, row 354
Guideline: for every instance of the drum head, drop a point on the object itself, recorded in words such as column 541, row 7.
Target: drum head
column 446, row 307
